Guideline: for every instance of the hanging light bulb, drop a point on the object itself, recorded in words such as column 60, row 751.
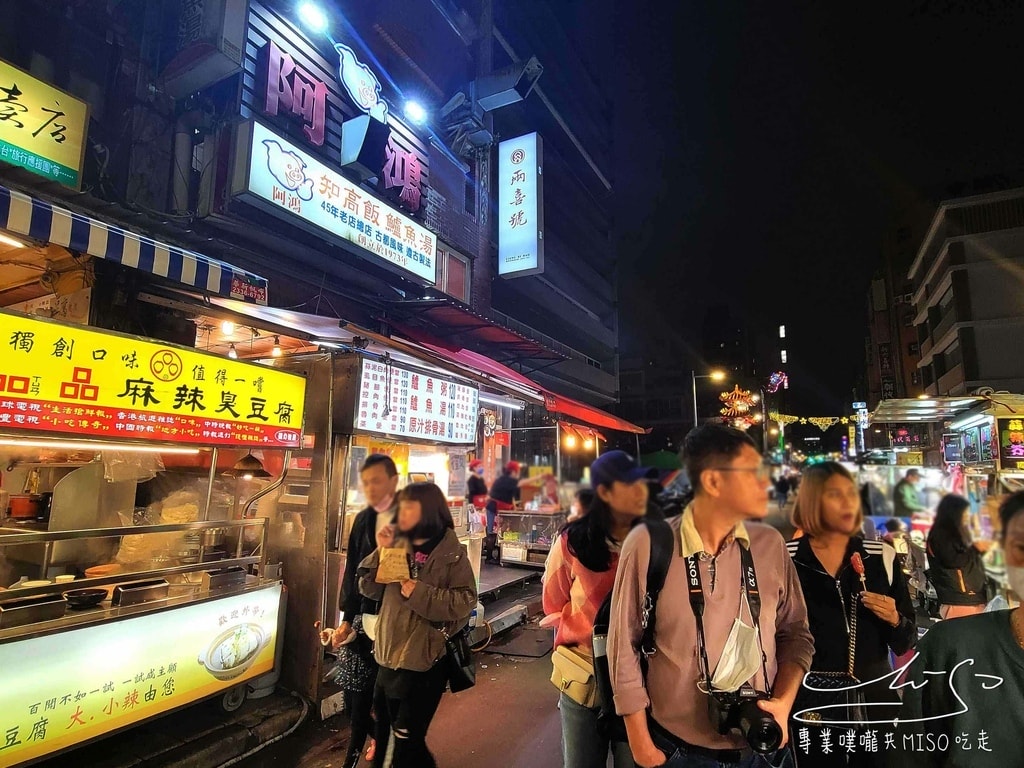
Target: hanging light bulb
column 588, row 444
column 570, row 441
column 227, row 327
column 276, row 351
column 231, row 352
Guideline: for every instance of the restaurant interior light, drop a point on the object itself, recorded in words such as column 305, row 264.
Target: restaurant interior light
column 570, row 441
column 313, row 17
column 232, row 352
column 276, row 351
column 416, row 112
column 502, row 402
column 588, row 444
column 227, row 327
column 248, row 467
column 84, row 445
column 973, row 420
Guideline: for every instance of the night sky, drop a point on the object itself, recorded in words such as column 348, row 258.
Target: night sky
column 764, row 148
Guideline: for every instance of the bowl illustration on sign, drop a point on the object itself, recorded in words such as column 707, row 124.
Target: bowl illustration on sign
column 234, row 650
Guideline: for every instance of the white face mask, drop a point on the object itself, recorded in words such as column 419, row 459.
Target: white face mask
column 740, row 660
column 1015, row 578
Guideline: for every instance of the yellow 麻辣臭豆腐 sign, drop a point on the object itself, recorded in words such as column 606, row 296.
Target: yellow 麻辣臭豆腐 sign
column 76, row 380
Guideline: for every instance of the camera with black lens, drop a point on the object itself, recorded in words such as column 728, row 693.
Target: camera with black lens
column 738, row 711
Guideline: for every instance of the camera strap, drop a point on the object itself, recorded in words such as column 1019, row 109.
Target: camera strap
column 748, row 577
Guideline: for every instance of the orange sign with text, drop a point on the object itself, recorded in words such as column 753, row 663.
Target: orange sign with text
column 76, row 380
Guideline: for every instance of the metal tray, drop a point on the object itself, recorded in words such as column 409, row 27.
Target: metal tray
column 14, row 612
column 134, row 592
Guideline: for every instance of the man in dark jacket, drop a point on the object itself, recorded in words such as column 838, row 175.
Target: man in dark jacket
column 503, row 496
column 379, row 479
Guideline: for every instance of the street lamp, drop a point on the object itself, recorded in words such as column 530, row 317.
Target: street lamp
column 714, row 376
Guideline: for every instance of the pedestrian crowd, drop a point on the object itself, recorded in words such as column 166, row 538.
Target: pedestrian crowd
column 704, row 639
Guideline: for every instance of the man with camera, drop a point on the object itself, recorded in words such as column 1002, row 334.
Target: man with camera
column 731, row 643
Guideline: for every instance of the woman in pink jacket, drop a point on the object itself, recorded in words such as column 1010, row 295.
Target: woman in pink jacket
column 578, row 576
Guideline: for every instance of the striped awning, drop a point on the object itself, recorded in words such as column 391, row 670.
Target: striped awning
column 39, row 220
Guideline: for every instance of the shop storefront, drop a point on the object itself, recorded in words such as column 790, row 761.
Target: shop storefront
column 136, row 565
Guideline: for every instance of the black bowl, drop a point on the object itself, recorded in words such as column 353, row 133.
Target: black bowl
column 85, row 598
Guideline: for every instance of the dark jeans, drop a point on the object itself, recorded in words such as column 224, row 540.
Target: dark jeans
column 583, row 745
column 360, row 707
column 406, row 702
column 681, row 756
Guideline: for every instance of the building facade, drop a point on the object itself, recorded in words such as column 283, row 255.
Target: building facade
column 892, row 350
column 966, row 283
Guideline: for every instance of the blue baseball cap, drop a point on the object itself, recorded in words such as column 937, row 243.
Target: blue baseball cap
column 618, row 466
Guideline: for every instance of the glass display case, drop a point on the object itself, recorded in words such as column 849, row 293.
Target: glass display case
column 525, row 535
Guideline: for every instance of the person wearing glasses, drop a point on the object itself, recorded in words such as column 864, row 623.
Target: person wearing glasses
column 730, row 618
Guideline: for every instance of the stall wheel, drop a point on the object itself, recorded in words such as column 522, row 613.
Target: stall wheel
column 234, row 698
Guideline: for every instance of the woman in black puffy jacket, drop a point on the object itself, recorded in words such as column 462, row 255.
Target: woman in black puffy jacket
column 954, row 561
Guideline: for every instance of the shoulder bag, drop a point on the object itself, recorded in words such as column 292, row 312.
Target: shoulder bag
column 458, row 660
column 832, row 697
column 572, row 673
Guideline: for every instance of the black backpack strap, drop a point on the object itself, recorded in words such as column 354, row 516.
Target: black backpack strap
column 657, row 569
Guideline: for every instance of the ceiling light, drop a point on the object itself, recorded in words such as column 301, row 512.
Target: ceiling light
column 227, row 327
column 276, row 351
column 232, row 353
column 313, row 17
column 248, row 467
column 6, row 240
column 416, row 112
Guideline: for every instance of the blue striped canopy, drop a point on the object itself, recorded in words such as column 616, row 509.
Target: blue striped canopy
column 39, row 220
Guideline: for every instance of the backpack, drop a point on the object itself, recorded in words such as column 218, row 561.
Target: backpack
column 610, row 724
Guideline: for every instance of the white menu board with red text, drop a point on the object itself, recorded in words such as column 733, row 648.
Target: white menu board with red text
column 418, row 405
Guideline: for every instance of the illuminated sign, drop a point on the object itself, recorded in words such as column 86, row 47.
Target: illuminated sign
column 293, row 90
column 951, row 448
column 68, row 687
column 76, row 380
column 297, row 184
column 42, row 129
column 360, row 83
column 521, row 206
column 396, row 401
column 1011, row 444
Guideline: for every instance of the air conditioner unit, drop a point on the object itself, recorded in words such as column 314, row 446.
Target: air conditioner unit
column 210, row 41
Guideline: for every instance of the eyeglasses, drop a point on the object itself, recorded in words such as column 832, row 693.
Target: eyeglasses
column 762, row 472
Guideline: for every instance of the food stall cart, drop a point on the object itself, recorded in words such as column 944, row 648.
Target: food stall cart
column 139, row 580
column 363, row 401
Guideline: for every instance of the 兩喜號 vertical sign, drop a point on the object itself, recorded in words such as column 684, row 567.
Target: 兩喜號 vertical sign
column 521, row 206
column 42, row 129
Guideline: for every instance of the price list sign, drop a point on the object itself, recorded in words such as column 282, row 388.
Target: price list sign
column 396, row 401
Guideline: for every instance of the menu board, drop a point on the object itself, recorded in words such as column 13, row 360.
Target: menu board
column 951, row 448
column 971, row 448
column 1011, row 444
column 72, row 379
column 985, row 447
column 398, row 402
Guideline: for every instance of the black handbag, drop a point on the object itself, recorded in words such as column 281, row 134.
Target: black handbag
column 831, row 697
column 459, row 662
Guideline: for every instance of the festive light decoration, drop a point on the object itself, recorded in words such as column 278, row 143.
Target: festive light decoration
column 736, row 408
column 824, row 423
column 778, row 380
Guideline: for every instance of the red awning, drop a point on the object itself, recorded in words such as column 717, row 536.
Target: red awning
column 589, row 414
